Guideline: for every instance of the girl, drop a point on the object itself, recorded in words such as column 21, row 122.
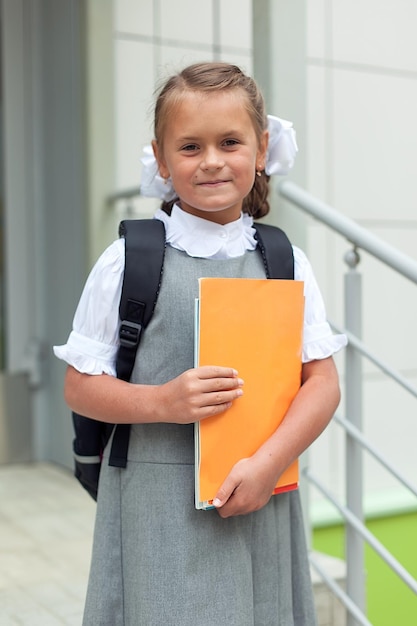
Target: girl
column 156, row 560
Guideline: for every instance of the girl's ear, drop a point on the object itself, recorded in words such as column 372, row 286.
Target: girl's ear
column 262, row 150
column 163, row 170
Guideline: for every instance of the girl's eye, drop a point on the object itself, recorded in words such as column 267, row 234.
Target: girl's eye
column 231, row 142
column 190, row 147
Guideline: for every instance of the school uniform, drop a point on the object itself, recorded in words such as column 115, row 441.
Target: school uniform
column 156, row 560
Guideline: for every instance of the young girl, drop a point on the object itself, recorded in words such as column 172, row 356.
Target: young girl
column 156, row 560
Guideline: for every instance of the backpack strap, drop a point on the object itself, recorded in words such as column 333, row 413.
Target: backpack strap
column 276, row 250
column 144, row 259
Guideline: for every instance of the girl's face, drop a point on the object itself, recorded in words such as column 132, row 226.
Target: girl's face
column 211, row 153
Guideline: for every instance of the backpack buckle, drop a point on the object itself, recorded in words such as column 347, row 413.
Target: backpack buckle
column 129, row 334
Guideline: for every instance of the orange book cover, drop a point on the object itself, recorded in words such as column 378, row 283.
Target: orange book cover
column 256, row 327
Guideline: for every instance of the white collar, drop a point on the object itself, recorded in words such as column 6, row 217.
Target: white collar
column 205, row 239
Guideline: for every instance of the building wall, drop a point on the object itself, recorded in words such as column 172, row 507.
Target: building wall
column 152, row 40
column 44, row 218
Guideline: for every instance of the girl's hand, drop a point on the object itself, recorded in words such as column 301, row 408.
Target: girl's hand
column 247, row 488
column 250, row 483
column 198, row 393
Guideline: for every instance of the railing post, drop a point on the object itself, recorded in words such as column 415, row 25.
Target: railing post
column 355, row 552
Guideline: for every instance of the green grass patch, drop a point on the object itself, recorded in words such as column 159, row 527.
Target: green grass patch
column 390, row 602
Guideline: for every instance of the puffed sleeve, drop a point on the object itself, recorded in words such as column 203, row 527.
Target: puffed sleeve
column 319, row 342
column 92, row 345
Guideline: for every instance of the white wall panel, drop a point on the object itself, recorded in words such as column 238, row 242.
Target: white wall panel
column 382, row 34
column 174, row 58
column 318, row 133
column 152, row 41
column 236, row 23
column 316, row 28
column 187, row 20
column 134, row 16
column 134, row 102
column 375, row 145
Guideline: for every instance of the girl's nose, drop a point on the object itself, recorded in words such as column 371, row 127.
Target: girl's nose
column 212, row 160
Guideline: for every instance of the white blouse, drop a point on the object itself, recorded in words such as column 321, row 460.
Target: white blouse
column 92, row 345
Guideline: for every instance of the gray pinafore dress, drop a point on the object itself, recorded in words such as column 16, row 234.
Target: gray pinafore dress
column 156, row 560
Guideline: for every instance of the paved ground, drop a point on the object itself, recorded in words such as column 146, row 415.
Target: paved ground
column 46, row 528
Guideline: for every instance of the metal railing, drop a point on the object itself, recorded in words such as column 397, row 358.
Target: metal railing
column 352, row 511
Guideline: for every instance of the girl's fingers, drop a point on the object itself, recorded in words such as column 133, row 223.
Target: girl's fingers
column 216, row 380
column 221, row 386
column 207, row 372
column 223, row 397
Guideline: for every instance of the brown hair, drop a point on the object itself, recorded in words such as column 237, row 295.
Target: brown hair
column 211, row 77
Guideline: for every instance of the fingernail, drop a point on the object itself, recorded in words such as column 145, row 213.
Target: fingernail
column 240, row 381
column 216, row 502
column 239, row 392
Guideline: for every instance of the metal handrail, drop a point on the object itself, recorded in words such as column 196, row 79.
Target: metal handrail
column 384, row 367
column 346, row 227
column 364, row 532
column 123, row 194
column 373, row 451
column 339, row 593
column 356, row 442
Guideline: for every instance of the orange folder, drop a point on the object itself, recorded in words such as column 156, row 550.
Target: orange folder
column 254, row 326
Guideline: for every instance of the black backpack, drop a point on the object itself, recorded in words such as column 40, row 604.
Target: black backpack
column 144, row 259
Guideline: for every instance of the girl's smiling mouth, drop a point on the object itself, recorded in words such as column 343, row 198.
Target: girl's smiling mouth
column 213, row 183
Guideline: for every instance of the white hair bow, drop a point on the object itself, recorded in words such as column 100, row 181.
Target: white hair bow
column 280, row 158
column 282, row 146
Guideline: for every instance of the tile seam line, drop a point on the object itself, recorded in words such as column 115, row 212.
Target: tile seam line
column 362, row 68
column 178, row 43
